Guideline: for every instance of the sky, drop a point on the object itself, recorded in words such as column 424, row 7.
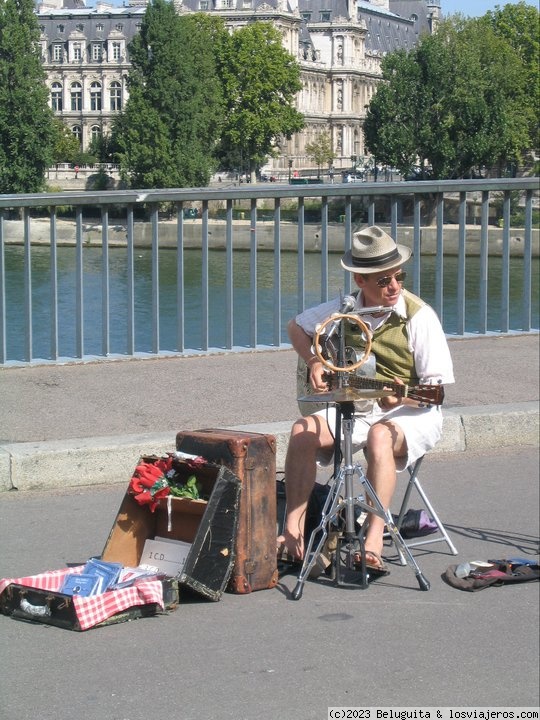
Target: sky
column 475, row 8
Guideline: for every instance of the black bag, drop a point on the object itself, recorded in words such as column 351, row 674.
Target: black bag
column 314, row 510
column 415, row 523
column 473, row 577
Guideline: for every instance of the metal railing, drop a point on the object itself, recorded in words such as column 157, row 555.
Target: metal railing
column 440, row 220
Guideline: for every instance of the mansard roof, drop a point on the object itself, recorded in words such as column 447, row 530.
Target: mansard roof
column 386, row 29
column 337, row 8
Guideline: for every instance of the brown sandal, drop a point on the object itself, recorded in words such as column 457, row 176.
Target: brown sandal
column 375, row 570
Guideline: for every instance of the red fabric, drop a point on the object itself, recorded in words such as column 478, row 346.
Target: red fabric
column 93, row 610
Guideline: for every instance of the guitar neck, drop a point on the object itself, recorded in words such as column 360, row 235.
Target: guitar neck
column 372, row 384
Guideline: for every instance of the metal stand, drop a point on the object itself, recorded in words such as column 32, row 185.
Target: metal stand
column 342, row 503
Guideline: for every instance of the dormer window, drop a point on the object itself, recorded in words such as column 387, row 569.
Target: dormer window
column 325, row 15
column 57, row 52
column 97, row 52
column 116, row 51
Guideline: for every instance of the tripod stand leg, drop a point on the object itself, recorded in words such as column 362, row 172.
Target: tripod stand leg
column 379, row 510
column 404, row 551
column 328, row 514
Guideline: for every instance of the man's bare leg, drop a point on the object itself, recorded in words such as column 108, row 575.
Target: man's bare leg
column 385, row 443
column 309, row 435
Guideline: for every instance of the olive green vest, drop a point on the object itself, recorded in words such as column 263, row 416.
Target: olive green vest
column 390, row 345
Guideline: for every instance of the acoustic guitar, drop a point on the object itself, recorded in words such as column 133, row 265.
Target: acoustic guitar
column 425, row 394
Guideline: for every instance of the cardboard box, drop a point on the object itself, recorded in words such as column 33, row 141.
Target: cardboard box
column 210, row 526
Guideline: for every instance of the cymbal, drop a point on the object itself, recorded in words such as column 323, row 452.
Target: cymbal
column 346, row 394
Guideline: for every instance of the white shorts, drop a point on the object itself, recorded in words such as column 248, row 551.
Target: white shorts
column 422, row 428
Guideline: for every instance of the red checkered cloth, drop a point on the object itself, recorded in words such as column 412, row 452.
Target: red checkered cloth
column 93, row 610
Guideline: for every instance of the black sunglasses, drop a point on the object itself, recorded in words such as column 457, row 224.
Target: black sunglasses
column 387, row 279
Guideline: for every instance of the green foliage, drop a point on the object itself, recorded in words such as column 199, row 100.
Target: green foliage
column 66, row 145
column 456, row 102
column 260, row 81
column 27, row 133
column 167, row 135
column 321, row 151
column 101, row 148
column 519, row 26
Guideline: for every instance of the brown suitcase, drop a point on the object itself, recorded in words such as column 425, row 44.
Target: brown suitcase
column 252, row 458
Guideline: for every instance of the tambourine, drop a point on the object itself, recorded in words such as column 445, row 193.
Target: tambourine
column 342, row 317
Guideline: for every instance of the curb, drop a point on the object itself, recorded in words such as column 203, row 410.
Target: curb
column 104, row 460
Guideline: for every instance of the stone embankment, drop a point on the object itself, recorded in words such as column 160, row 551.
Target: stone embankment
column 117, row 236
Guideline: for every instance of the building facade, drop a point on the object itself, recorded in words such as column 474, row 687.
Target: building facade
column 339, row 45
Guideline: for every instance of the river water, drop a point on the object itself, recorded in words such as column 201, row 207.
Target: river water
column 168, row 317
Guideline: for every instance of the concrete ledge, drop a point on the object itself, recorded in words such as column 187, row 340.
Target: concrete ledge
column 104, row 460
column 499, row 425
column 78, row 462
column 5, row 470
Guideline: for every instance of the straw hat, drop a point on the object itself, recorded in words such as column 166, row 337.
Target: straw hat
column 374, row 250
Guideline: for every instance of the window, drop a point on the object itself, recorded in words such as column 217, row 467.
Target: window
column 120, row 27
column 116, row 96
column 99, row 27
column 97, row 52
column 60, row 28
column 95, row 132
column 56, row 97
column 57, row 52
column 95, row 96
column 325, row 15
column 116, row 51
column 76, row 131
column 77, row 52
column 80, row 27
column 76, row 96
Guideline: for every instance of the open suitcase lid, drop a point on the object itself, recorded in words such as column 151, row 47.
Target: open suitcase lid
column 209, row 526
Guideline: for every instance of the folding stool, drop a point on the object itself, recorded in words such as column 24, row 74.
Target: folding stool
column 441, row 534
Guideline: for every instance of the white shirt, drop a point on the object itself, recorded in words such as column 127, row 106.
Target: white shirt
column 427, row 341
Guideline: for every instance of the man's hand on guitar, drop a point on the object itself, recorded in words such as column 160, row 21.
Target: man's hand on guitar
column 392, row 401
column 317, row 373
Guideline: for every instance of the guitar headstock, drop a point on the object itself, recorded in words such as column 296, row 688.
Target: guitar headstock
column 427, row 394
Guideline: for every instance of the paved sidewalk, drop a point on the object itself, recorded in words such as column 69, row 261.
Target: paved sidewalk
column 86, row 423
column 264, row 656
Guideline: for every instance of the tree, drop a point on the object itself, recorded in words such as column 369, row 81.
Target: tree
column 66, row 145
column 453, row 104
column 399, row 97
column 321, row 151
column 518, row 25
column 167, row 135
column 260, row 81
column 27, row 133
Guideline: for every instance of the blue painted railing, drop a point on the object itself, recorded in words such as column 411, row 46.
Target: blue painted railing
column 448, row 224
